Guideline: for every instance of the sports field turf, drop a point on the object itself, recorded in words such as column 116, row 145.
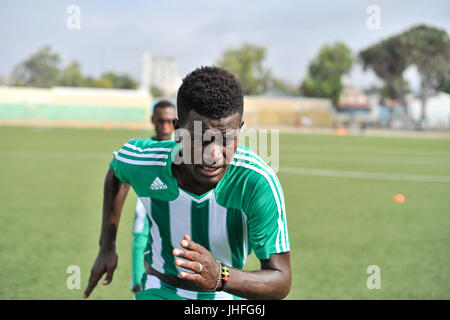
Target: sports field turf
column 339, row 197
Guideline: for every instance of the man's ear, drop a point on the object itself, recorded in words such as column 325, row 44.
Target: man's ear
column 176, row 124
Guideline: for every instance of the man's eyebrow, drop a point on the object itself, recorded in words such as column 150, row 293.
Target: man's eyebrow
column 231, row 132
column 224, row 132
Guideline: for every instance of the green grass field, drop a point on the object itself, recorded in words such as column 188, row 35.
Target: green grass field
column 339, row 197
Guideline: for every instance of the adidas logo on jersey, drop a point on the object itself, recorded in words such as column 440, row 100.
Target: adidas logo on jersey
column 157, row 184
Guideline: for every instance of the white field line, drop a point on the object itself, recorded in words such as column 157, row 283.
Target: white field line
column 54, row 154
column 283, row 169
column 364, row 175
column 359, row 159
column 355, row 151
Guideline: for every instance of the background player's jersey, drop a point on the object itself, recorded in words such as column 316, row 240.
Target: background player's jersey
column 140, row 238
column 245, row 211
column 140, row 225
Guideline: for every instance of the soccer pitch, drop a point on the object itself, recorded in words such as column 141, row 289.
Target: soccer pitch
column 339, row 198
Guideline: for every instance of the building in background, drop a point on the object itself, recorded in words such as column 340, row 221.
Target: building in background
column 161, row 74
column 353, row 108
column 353, row 101
column 437, row 113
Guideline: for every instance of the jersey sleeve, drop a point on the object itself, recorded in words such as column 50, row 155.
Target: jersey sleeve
column 123, row 164
column 120, row 170
column 137, row 157
column 267, row 225
column 145, row 165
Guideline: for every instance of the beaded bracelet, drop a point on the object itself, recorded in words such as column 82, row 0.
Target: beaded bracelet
column 219, row 277
column 225, row 276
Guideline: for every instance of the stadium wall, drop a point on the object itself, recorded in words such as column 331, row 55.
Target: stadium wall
column 96, row 107
column 266, row 111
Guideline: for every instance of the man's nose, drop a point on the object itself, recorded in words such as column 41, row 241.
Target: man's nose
column 213, row 153
column 167, row 125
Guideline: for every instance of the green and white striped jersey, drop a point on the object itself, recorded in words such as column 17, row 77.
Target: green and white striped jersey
column 244, row 212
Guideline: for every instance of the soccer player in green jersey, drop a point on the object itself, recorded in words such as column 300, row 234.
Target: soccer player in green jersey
column 206, row 213
column 162, row 119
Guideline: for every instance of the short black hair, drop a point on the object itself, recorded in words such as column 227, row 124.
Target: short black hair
column 211, row 91
column 163, row 104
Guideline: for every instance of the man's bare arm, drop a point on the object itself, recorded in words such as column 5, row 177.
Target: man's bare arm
column 114, row 195
column 273, row 281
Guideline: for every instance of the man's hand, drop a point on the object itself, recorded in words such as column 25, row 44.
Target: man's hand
column 273, row 281
column 198, row 259
column 137, row 288
column 106, row 262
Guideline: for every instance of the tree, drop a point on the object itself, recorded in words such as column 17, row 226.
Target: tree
column 396, row 90
column 72, row 76
column 120, row 81
column 278, row 86
column 39, row 70
column 445, row 83
column 112, row 80
column 388, row 60
column 156, row 92
column 99, row 83
column 326, row 70
column 428, row 48
column 246, row 64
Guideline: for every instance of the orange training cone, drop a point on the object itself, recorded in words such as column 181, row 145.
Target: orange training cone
column 399, row 198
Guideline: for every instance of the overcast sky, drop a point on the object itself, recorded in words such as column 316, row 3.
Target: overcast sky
column 113, row 34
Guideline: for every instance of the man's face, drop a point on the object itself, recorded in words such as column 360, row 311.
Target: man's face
column 212, row 146
column 162, row 119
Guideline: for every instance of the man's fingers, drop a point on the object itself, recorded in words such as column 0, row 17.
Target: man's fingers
column 191, row 245
column 190, row 265
column 110, row 268
column 93, row 280
column 106, row 262
column 187, row 254
column 109, row 276
column 191, row 276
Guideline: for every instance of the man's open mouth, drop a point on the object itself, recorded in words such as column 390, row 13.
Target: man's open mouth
column 209, row 170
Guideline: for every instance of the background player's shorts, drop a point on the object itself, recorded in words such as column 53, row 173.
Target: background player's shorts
column 155, row 289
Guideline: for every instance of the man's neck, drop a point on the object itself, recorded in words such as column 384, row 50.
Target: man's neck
column 160, row 138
